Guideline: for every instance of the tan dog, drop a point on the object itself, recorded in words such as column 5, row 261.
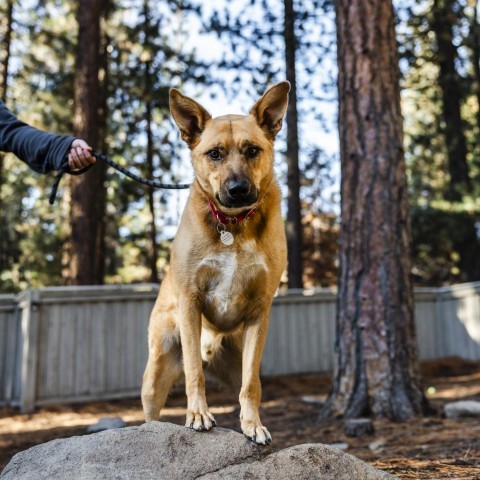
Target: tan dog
column 227, row 258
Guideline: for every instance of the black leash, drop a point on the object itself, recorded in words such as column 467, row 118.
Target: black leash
column 99, row 156
column 63, row 169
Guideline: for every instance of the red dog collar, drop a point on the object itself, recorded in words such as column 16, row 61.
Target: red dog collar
column 225, row 219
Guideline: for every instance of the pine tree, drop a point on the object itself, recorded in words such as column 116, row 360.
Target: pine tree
column 376, row 370
column 4, row 65
column 442, row 23
column 146, row 59
column 267, row 42
column 443, row 235
column 294, row 210
column 39, row 92
column 86, row 214
column 473, row 42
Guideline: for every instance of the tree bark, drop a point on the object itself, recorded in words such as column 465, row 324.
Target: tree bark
column 376, row 371
column 148, row 95
column 4, row 75
column 475, row 39
column 7, row 45
column 442, row 24
column 101, row 168
column 4, row 86
column 294, row 209
column 86, row 190
column 151, row 198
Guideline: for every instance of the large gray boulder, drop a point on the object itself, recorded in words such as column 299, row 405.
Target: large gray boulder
column 165, row 451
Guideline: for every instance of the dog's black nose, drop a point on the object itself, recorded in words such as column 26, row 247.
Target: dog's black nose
column 237, row 188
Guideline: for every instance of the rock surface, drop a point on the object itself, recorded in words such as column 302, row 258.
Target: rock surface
column 358, row 427
column 106, row 423
column 463, row 408
column 165, row 451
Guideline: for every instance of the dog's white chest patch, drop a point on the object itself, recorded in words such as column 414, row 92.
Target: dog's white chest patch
column 226, row 266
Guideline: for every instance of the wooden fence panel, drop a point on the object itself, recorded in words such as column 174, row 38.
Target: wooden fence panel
column 458, row 317
column 90, row 343
column 426, row 323
column 9, row 331
column 92, row 347
column 301, row 335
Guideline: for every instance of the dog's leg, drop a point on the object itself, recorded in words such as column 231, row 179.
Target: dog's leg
column 198, row 416
column 162, row 371
column 254, row 335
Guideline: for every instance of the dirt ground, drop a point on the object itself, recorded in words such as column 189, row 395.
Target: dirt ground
column 427, row 448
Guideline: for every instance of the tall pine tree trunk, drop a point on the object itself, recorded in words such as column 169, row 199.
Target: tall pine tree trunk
column 294, row 207
column 151, row 197
column 442, row 24
column 149, row 95
column 7, row 41
column 87, row 190
column 475, row 46
column 376, row 371
column 4, row 74
column 4, row 234
column 101, row 168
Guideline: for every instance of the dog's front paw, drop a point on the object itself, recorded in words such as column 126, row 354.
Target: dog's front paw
column 200, row 421
column 256, row 433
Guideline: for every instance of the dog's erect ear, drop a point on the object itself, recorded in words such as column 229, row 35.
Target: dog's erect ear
column 189, row 116
column 270, row 109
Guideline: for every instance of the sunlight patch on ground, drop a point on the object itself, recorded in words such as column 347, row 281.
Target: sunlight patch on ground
column 42, row 421
column 455, row 392
column 22, row 424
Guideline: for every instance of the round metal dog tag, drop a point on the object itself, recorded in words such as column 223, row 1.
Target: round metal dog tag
column 226, row 237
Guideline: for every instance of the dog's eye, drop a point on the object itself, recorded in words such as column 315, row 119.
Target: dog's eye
column 214, row 154
column 252, row 152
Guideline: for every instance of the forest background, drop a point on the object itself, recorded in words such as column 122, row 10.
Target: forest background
column 224, row 54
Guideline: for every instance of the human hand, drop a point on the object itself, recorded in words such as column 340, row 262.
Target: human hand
column 80, row 155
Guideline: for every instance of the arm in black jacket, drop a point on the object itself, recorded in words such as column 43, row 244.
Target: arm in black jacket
column 40, row 150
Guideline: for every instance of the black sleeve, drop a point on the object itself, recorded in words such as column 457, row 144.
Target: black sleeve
column 40, row 150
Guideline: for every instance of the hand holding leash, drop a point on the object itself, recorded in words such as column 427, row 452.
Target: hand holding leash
column 80, row 155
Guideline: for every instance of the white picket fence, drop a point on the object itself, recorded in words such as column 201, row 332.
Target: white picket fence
column 60, row 345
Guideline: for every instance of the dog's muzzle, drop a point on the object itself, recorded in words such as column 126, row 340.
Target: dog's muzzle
column 237, row 192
